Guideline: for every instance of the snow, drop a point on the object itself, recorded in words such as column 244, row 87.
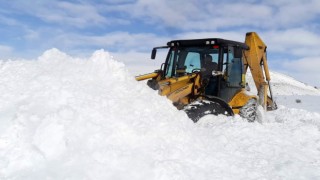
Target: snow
column 287, row 91
column 63, row 117
column 307, row 102
column 283, row 85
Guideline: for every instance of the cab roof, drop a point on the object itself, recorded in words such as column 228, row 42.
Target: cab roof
column 206, row 42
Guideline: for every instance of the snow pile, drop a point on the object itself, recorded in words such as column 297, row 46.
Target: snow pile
column 69, row 118
column 286, row 85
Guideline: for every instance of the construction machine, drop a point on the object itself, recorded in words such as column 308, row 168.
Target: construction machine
column 208, row 76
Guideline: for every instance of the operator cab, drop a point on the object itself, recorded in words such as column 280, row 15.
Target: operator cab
column 219, row 62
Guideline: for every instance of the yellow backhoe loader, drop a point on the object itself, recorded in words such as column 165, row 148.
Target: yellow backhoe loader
column 208, row 76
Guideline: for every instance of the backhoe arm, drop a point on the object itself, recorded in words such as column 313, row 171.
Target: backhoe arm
column 256, row 59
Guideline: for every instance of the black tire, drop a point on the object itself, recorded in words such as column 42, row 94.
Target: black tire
column 249, row 111
column 213, row 105
column 153, row 84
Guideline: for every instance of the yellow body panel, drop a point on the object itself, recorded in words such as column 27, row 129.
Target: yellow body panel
column 179, row 89
column 171, row 84
column 176, row 95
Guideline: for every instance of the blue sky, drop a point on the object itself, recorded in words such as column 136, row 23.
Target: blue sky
column 128, row 29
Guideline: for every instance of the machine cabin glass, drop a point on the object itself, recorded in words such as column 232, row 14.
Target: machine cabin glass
column 233, row 66
column 185, row 60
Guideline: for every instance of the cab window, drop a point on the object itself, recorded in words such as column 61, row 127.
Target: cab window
column 184, row 60
column 169, row 68
column 192, row 61
column 233, row 67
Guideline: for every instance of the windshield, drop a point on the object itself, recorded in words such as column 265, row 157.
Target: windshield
column 184, row 60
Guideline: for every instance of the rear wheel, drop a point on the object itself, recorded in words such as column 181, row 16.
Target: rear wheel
column 249, row 110
column 213, row 105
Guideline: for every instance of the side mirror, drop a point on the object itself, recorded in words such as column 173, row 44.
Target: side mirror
column 153, row 53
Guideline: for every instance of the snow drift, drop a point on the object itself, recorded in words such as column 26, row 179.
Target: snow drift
column 284, row 85
column 69, row 118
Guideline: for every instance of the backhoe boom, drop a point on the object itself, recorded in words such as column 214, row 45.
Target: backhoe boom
column 256, row 59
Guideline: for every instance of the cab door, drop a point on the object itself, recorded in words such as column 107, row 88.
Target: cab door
column 232, row 67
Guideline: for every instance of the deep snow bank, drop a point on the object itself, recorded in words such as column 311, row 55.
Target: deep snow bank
column 68, row 118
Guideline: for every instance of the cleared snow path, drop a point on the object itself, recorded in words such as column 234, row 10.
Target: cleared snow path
column 67, row 118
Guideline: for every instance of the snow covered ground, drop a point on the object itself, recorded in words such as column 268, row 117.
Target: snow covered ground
column 63, row 117
column 291, row 93
column 287, row 86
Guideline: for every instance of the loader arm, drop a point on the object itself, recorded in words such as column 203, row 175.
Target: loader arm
column 256, row 59
column 147, row 76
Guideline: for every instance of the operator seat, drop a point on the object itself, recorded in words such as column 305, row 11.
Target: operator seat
column 211, row 81
column 209, row 66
